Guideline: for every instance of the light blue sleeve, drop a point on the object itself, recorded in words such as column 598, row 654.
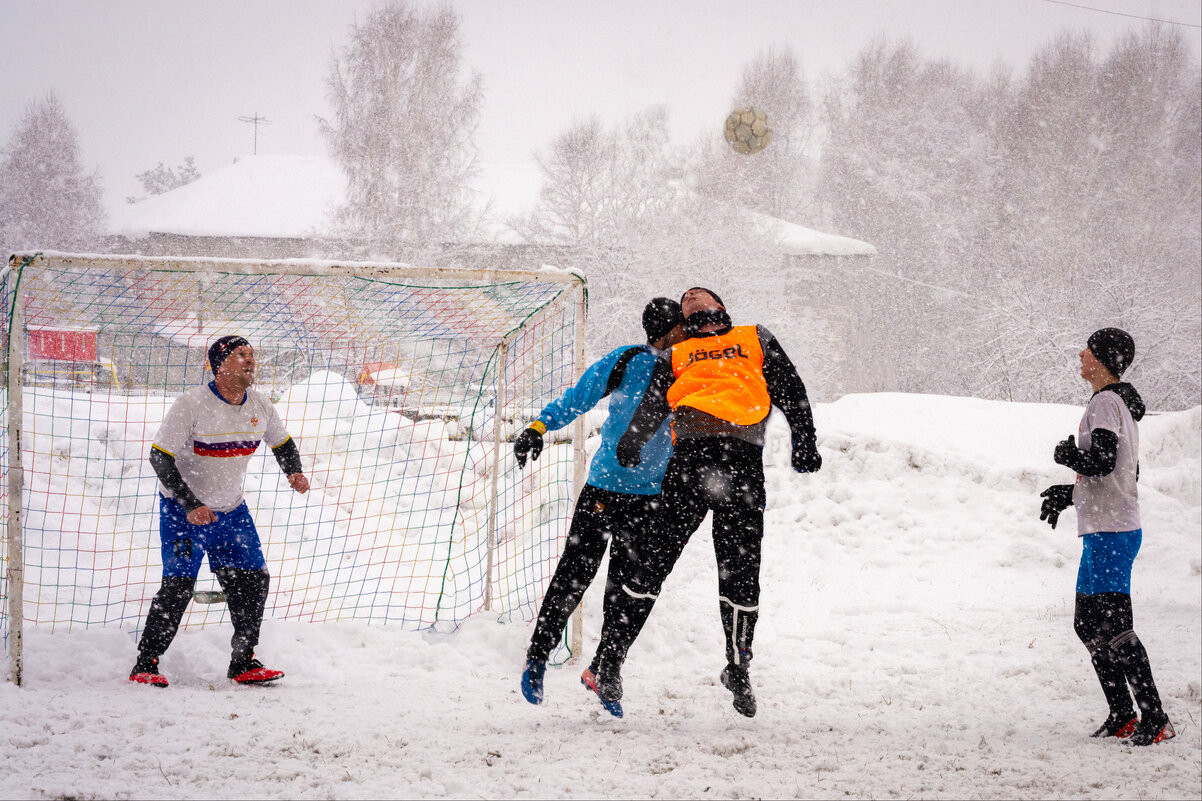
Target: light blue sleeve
column 586, row 394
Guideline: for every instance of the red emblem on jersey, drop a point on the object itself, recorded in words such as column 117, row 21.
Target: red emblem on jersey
column 254, row 421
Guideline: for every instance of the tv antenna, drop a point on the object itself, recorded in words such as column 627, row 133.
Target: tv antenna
column 257, row 120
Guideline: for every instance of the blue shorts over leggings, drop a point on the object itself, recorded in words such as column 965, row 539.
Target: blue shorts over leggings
column 232, row 541
column 1106, row 559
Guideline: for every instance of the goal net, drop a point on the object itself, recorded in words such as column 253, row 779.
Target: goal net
column 402, row 387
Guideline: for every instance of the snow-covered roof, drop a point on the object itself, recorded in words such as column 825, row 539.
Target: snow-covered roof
column 293, row 197
column 797, row 240
column 290, row 197
column 268, row 196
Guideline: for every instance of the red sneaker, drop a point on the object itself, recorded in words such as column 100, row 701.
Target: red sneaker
column 146, row 671
column 253, row 672
column 591, row 681
column 1120, row 725
column 1153, row 729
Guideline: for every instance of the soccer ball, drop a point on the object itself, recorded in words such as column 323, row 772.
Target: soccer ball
column 747, row 130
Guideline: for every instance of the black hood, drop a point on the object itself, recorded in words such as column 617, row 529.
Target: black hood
column 1130, row 397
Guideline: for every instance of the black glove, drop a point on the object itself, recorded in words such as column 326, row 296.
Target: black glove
column 1066, row 452
column 1099, row 460
column 530, row 441
column 629, row 452
column 1057, row 498
column 806, row 458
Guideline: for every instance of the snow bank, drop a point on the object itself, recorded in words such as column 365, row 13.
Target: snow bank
column 915, row 640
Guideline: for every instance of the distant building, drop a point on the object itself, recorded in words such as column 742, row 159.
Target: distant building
column 282, row 207
column 277, row 207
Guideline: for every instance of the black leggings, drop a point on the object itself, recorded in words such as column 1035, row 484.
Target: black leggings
column 601, row 517
column 245, row 596
column 718, row 474
column 1104, row 623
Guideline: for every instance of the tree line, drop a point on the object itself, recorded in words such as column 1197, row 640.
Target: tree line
column 1013, row 211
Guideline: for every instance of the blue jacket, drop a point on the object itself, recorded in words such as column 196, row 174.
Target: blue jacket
column 605, row 471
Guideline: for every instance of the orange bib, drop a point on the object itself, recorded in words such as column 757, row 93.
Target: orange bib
column 722, row 376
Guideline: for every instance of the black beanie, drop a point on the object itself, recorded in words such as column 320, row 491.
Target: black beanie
column 222, row 348
column 1113, row 347
column 713, row 294
column 660, row 316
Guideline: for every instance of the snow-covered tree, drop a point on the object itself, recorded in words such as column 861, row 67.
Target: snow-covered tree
column 47, row 200
column 601, row 183
column 162, row 178
column 777, row 180
column 1015, row 215
column 906, row 166
column 618, row 197
column 604, row 192
column 1101, row 202
column 1149, row 84
column 403, row 127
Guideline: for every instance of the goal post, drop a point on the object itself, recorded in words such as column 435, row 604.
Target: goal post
column 401, row 385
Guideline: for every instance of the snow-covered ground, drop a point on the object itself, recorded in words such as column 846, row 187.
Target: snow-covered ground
column 915, row 640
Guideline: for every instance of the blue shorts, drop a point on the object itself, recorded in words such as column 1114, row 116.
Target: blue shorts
column 233, row 541
column 1106, row 559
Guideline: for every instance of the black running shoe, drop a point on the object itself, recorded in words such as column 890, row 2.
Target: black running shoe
column 737, row 679
column 1120, row 725
column 609, row 684
column 590, row 680
column 1153, row 729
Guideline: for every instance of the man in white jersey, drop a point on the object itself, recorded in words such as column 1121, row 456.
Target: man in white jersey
column 200, row 455
column 1105, row 458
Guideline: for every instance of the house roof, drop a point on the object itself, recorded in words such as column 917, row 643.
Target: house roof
column 797, row 240
column 294, row 197
column 267, row 196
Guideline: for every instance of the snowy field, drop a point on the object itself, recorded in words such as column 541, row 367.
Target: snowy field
column 915, row 640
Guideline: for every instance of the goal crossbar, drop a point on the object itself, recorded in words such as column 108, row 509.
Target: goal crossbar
column 363, row 269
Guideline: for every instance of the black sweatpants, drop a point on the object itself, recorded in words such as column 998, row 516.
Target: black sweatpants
column 601, row 517
column 719, row 474
column 1104, row 623
column 245, row 596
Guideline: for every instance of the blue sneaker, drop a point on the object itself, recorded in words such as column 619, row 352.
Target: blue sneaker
column 532, row 680
column 614, row 707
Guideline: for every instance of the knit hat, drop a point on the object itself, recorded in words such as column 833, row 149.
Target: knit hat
column 713, row 294
column 660, row 316
column 222, row 348
column 1113, row 347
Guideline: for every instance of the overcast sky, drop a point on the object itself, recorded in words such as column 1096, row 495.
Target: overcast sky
column 146, row 81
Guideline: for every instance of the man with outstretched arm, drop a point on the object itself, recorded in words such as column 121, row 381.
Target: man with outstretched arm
column 200, row 455
column 616, row 500
column 1105, row 457
column 720, row 385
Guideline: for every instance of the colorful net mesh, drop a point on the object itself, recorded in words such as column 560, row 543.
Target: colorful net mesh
column 402, row 389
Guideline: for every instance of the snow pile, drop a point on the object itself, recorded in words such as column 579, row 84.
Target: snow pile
column 915, row 640
column 391, row 530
